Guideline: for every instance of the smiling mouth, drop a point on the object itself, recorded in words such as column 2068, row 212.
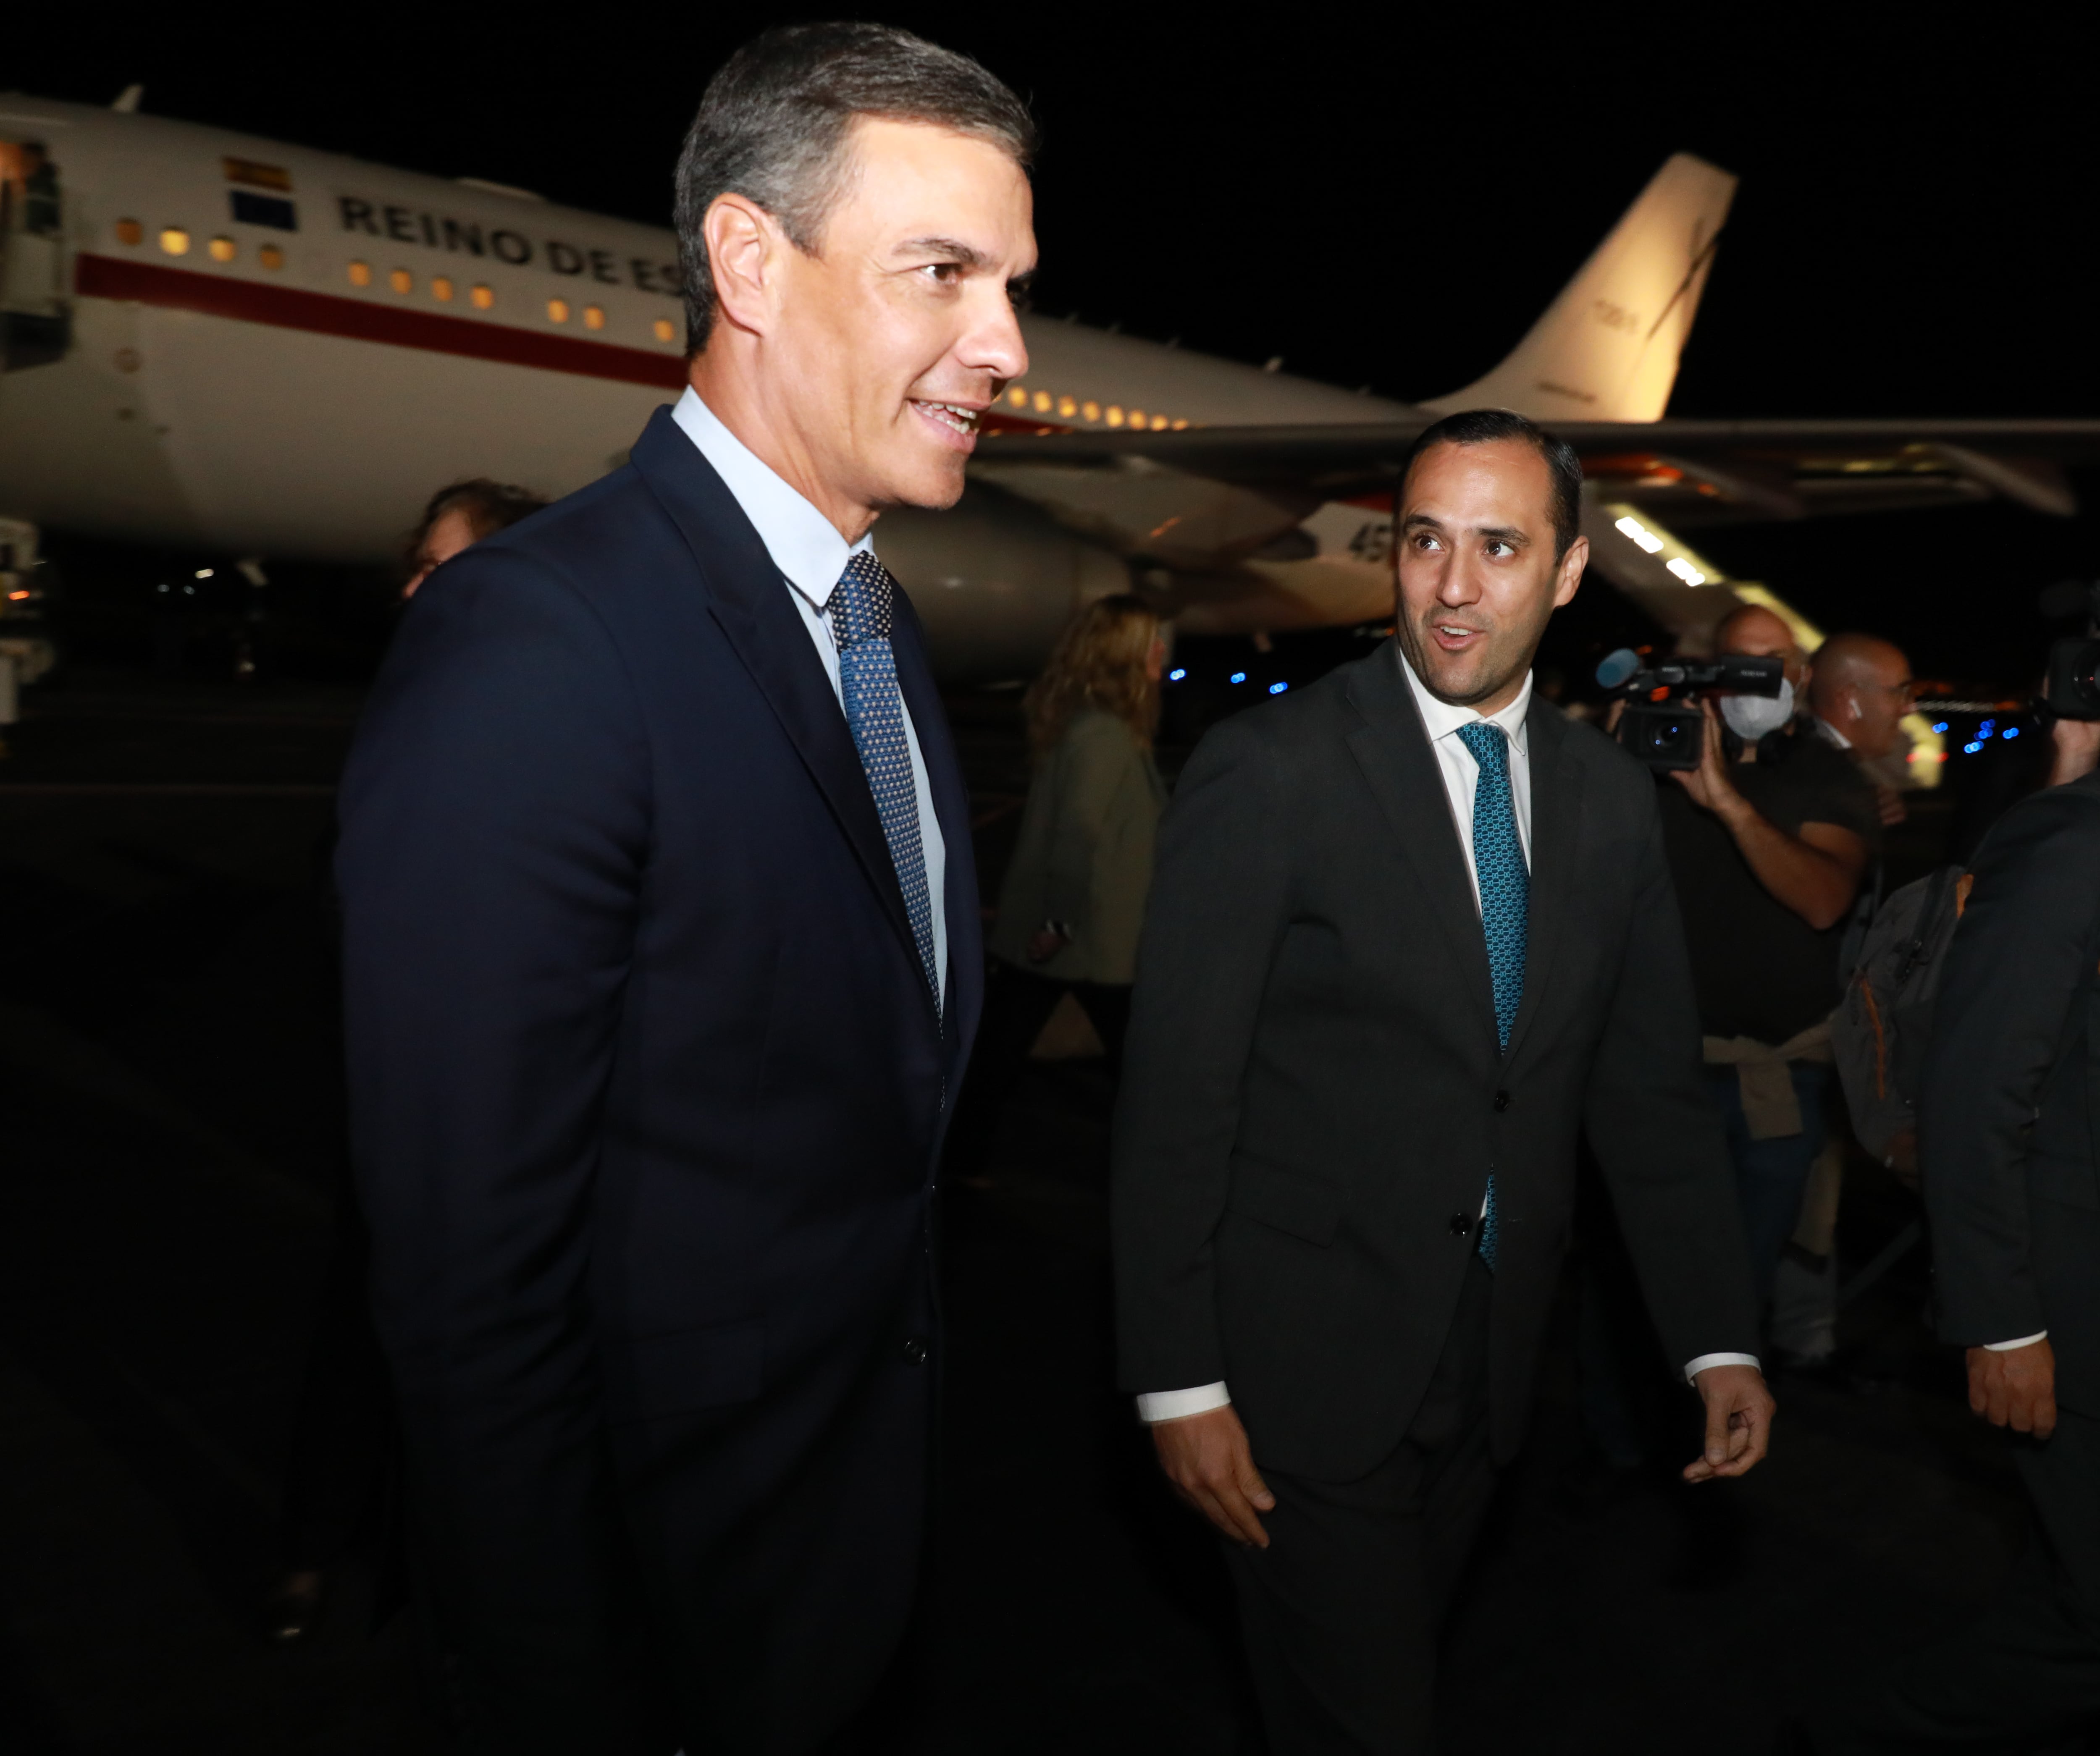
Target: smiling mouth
column 953, row 415
column 1451, row 631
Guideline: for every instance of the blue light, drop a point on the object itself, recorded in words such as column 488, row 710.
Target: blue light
column 1971, row 749
column 1239, row 676
column 1986, row 729
column 1940, row 726
column 2010, row 731
column 1176, row 675
column 1278, row 689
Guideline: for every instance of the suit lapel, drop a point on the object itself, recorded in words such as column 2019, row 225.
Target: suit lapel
column 1556, row 818
column 1391, row 747
column 749, row 601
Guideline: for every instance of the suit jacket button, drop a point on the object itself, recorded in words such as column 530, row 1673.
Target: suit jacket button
column 1461, row 1224
column 915, row 1350
column 1502, row 1100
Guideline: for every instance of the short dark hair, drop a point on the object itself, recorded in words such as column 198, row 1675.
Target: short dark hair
column 1482, row 426
column 773, row 125
column 489, row 506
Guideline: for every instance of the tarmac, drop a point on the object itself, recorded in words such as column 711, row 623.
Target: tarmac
column 169, row 1127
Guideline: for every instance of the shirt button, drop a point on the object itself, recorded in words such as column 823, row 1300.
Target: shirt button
column 916, row 1347
column 1502, row 1100
column 1461, row 1224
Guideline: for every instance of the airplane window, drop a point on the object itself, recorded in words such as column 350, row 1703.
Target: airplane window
column 664, row 333
column 483, row 297
column 129, row 231
column 361, row 274
column 1018, row 397
column 1159, row 423
column 1042, row 402
column 441, row 288
column 1179, row 424
column 558, row 310
column 271, row 256
column 223, row 250
column 1115, row 416
column 1137, row 417
column 1067, row 407
column 402, row 281
column 1091, row 411
column 593, row 317
column 175, row 241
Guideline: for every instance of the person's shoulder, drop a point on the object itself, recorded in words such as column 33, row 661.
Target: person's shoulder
column 1096, row 728
column 2066, row 815
column 1603, row 760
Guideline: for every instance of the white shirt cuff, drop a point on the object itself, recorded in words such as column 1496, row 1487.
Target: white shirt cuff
column 2025, row 1341
column 1156, row 1406
column 1692, row 1372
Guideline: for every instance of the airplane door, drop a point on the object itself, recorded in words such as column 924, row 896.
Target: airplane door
column 34, row 325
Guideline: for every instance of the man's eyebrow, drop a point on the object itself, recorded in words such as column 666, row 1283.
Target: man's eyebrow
column 968, row 256
column 1502, row 533
column 1412, row 519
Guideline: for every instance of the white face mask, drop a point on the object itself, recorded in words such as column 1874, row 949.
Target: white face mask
column 1751, row 717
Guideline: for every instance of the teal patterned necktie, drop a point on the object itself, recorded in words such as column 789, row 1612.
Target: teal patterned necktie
column 1505, row 902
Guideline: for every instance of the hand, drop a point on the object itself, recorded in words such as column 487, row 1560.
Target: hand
column 1738, row 1417
column 1206, row 1458
column 2075, row 750
column 1710, row 784
column 1891, row 804
column 2016, row 1389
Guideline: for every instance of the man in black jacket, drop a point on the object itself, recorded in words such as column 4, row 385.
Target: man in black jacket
column 2011, row 1176
column 1412, row 933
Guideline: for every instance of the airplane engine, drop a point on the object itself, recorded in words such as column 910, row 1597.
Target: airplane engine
column 993, row 580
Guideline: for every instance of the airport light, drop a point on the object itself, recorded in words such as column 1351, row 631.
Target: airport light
column 1176, row 675
column 1639, row 534
column 1278, row 689
column 1239, row 676
column 1684, row 570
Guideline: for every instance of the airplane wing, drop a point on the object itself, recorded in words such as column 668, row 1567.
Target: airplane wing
column 1692, row 471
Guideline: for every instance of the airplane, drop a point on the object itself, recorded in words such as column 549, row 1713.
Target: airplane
column 259, row 351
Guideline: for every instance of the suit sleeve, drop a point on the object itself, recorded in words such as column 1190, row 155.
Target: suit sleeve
column 1656, row 1137
column 494, row 817
column 2016, row 964
column 1217, row 913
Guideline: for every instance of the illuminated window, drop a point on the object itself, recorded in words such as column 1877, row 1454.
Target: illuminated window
column 402, row 281
column 1179, row 424
column 1018, row 397
column 441, row 289
column 593, row 317
column 664, row 331
column 175, row 241
column 129, row 231
column 1067, row 407
column 1043, row 402
column 483, row 297
column 1115, row 416
column 271, row 256
column 1091, row 411
column 558, row 310
column 1137, row 417
column 222, row 250
column 1159, row 423
column 361, row 274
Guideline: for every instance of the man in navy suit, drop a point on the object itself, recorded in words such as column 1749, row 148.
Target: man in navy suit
column 662, row 957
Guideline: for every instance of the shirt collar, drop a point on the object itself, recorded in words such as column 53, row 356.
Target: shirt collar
column 803, row 544
column 1443, row 718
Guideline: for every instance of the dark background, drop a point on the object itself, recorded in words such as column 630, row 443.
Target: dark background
column 1382, row 195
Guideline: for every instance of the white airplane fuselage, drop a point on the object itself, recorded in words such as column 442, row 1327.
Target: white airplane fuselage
column 270, row 352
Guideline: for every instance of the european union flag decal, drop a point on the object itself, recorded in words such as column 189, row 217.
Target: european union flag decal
column 263, row 210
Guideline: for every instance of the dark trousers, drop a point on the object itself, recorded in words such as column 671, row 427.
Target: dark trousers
column 2027, row 1674
column 1770, row 1175
column 1017, row 1005
column 1341, row 1610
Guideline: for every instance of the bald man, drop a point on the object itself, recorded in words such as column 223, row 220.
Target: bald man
column 1769, row 840
column 1860, row 689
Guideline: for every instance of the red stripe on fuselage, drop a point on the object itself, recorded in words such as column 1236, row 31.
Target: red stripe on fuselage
column 327, row 314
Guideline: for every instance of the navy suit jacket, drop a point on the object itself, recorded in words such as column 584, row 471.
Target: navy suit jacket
column 648, row 1087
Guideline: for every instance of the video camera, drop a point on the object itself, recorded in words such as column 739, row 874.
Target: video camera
column 1659, row 725
column 2072, row 688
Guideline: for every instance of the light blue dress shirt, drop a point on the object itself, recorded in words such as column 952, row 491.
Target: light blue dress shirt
column 811, row 555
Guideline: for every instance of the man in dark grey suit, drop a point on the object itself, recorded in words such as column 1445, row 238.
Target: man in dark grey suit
column 1412, row 934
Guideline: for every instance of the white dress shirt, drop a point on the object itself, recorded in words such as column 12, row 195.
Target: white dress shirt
column 812, row 555
column 1461, row 775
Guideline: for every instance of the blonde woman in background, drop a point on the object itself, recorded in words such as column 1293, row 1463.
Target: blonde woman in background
column 1073, row 898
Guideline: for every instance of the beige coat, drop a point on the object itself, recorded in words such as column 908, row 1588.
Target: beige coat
column 1085, row 853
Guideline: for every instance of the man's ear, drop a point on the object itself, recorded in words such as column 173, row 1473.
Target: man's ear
column 1569, row 573
column 744, row 248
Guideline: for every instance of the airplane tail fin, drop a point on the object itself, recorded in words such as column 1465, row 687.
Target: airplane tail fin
column 1607, row 349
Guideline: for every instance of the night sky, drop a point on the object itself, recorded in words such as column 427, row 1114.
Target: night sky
column 1379, row 198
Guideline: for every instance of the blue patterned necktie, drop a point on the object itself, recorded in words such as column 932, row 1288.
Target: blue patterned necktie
column 860, row 610
column 1505, row 902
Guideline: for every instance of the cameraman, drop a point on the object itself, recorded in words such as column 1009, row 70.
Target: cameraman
column 1769, row 840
